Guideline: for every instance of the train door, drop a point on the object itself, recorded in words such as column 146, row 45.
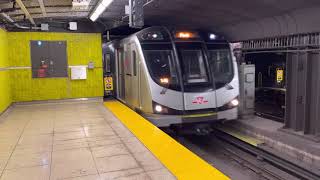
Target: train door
column 135, row 78
column 107, row 74
column 121, row 74
column 128, row 74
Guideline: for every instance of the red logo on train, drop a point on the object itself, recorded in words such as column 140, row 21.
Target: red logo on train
column 199, row 100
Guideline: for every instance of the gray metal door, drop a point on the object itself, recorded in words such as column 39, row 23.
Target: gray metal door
column 135, row 85
column 49, row 58
column 121, row 74
column 39, row 52
column 58, row 65
column 128, row 74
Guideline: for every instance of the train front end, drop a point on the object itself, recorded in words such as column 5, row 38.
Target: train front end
column 182, row 80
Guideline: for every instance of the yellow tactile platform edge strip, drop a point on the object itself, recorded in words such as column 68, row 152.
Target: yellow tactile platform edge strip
column 179, row 160
column 237, row 134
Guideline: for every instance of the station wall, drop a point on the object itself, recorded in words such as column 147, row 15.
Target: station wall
column 81, row 49
column 5, row 90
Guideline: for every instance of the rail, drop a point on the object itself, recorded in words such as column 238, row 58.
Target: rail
column 283, row 164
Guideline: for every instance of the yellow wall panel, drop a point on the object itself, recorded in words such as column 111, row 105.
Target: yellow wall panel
column 3, row 49
column 81, row 49
column 5, row 91
column 5, row 94
column 88, row 87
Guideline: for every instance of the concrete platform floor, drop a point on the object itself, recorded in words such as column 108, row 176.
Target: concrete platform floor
column 72, row 140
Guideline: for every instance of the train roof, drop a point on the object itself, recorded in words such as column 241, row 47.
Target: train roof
column 162, row 33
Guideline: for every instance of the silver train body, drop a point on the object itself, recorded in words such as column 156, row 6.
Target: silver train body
column 173, row 77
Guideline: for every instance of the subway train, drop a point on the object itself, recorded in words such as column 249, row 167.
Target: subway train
column 174, row 77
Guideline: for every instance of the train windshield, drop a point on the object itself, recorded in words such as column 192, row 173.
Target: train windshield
column 162, row 67
column 220, row 62
column 193, row 64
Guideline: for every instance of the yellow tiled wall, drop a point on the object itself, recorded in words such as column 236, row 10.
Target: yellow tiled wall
column 81, row 49
column 5, row 92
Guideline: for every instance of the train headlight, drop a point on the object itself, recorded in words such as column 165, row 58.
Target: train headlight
column 158, row 108
column 230, row 105
column 164, row 80
column 213, row 36
column 154, row 36
column 234, row 102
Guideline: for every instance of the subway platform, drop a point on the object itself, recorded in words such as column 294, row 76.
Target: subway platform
column 91, row 140
column 272, row 137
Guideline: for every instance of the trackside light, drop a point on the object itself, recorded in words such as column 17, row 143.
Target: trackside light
column 100, row 8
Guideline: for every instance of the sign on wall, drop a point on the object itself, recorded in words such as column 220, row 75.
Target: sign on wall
column 78, row 72
column 280, row 75
column 108, row 83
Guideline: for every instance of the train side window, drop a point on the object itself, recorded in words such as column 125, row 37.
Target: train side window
column 107, row 60
column 134, row 57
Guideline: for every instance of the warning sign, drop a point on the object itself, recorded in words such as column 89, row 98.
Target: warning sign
column 108, row 84
column 279, row 75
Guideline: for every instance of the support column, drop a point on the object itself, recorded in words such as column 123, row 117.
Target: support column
column 296, row 91
column 303, row 94
column 312, row 124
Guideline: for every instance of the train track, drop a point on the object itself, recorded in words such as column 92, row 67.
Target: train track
column 266, row 164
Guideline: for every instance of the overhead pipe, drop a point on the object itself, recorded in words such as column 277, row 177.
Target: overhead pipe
column 9, row 19
column 26, row 12
column 42, row 7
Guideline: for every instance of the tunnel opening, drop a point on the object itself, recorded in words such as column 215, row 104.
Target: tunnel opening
column 270, row 80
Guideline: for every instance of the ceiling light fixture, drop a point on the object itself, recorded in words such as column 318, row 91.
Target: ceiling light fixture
column 100, row 8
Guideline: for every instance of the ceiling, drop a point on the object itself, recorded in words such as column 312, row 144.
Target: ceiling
column 53, row 8
column 237, row 19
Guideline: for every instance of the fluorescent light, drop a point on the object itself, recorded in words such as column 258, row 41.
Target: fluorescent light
column 100, row 8
column 106, row 3
column 94, row 16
